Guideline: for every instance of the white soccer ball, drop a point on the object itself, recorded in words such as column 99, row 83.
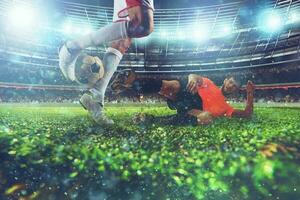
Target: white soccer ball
column 88, row 70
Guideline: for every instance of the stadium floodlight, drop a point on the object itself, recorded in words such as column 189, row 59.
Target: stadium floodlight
column 22, row 17
column 200, row 32
column 270, row 21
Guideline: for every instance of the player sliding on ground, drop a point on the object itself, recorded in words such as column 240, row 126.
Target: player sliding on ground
column 196, row 99
column 132, row 19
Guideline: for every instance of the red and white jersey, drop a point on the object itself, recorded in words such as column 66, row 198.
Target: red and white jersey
column 121, row 6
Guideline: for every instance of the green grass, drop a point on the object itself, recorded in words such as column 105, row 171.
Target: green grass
column 58, row 152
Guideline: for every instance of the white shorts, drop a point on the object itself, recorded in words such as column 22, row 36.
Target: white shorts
column 121, row 6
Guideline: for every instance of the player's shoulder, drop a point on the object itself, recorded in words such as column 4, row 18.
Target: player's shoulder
column 207, row 81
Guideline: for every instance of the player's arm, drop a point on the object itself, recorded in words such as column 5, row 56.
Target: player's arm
column 203, row 117
column 194, row 81
column 247, row 112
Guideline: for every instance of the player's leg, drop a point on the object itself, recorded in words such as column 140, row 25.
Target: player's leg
column 95, row 103
column 137, row 22
column 111, row 62
column 140, row 24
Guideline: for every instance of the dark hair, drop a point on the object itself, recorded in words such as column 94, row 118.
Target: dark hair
column 148, row 86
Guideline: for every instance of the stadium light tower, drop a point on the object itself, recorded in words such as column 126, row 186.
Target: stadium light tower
column 22, row 18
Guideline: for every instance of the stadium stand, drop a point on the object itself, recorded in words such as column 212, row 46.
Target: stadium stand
column 234, row 46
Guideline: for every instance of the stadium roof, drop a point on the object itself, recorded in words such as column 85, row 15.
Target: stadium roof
column 164, row 4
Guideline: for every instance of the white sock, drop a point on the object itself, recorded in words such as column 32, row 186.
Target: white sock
column 109, row 33
column 110, row 61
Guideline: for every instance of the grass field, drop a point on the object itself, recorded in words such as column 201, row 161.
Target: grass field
column 57, row 152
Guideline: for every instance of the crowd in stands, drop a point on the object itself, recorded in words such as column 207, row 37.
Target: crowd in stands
column 43, row 96
column 37, row 96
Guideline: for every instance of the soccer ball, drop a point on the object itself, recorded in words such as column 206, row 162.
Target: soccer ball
column 88, row 70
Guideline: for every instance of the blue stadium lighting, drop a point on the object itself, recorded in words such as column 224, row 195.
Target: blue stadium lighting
column 200, row 32
column 22, row 17
column 143, row 40
column 224, row 31
column 270, row 21
column 87, row 29
column 71, row 29
column 164, row 34
column 78, row 30
column 180, row 35
column 67, row 28
column 293, row 18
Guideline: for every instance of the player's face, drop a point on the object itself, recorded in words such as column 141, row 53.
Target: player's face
column 230, row 86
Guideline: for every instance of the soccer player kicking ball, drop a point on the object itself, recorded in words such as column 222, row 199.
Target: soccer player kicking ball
column 132, row 19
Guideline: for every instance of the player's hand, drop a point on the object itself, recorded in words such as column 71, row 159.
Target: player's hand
column 192, row 85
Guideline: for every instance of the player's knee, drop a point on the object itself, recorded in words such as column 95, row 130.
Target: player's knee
column 141, row 26
column 141, row 30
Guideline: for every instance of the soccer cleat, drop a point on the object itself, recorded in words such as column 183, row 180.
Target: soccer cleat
column 95, row 109
column 67, row 60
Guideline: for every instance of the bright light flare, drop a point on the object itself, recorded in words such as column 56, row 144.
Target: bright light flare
column 67, row 28
column 270, row 21
column 180, row 35
column 200, row 32
column 226, row 30
column 22, row 17
column 71, row 29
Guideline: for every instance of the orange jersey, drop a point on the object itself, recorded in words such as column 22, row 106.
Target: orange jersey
column 213, row 99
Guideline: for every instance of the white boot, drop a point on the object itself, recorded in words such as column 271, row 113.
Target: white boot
column 67, row 62
column 95, row 109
